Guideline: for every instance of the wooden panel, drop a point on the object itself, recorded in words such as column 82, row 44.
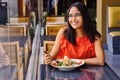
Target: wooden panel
column 55, row 19
column 12, row 30
column 53, row 29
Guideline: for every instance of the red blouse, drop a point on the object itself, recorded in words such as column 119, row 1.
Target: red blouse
column 84, row 48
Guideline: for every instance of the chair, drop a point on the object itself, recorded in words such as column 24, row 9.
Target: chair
column 113, row 29
column 12, row 50
column 48, row 45
column 12, row 30
column 55, row 19
column 53, row 29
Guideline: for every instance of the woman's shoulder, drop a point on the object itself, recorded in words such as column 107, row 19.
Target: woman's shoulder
column 97, row 38
column 61, row 31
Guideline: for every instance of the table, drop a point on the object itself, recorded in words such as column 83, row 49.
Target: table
column 24, row 44
column 8, row 72
column 84, row 72
column 113, row 61
column 22, row 39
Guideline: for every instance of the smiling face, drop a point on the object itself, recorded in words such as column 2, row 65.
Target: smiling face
column 75, row 18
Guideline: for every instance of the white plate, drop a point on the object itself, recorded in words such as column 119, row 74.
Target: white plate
column 68, row 68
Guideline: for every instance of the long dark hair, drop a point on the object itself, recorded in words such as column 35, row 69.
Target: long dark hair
column 88, row 27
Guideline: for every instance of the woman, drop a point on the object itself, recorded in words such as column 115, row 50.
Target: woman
column 79, row 40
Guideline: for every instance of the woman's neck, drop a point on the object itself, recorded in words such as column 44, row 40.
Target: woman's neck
column 79, row 32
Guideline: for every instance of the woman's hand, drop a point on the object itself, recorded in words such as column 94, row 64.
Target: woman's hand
column 47, row 59
column 4, row 60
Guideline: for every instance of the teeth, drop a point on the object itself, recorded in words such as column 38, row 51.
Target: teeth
column 74, row 23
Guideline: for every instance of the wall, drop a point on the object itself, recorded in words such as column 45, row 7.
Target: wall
column 101, row 15
column 12, row 7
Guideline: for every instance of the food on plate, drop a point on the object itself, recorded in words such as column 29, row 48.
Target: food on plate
column 66, row 61
column 54, row 63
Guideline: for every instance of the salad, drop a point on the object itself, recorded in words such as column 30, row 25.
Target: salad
column 66, row 61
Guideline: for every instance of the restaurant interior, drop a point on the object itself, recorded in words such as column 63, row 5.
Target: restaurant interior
column 29, row 27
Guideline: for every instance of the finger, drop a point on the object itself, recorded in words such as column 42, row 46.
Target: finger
column 48, row 61
column 47, row 55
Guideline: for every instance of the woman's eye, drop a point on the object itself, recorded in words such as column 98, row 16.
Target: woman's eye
column 77, row 15
column 70, row 15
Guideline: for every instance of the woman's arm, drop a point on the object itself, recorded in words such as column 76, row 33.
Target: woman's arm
column 49, row 57
column 100, row 58
column 56, row 46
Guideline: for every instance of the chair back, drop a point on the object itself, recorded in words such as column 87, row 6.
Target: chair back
column 53, row 29
column 19, row 20
column 48, row 45
column 12, row 51
column 113, row 18
column 12, row 30
column 55, row 19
